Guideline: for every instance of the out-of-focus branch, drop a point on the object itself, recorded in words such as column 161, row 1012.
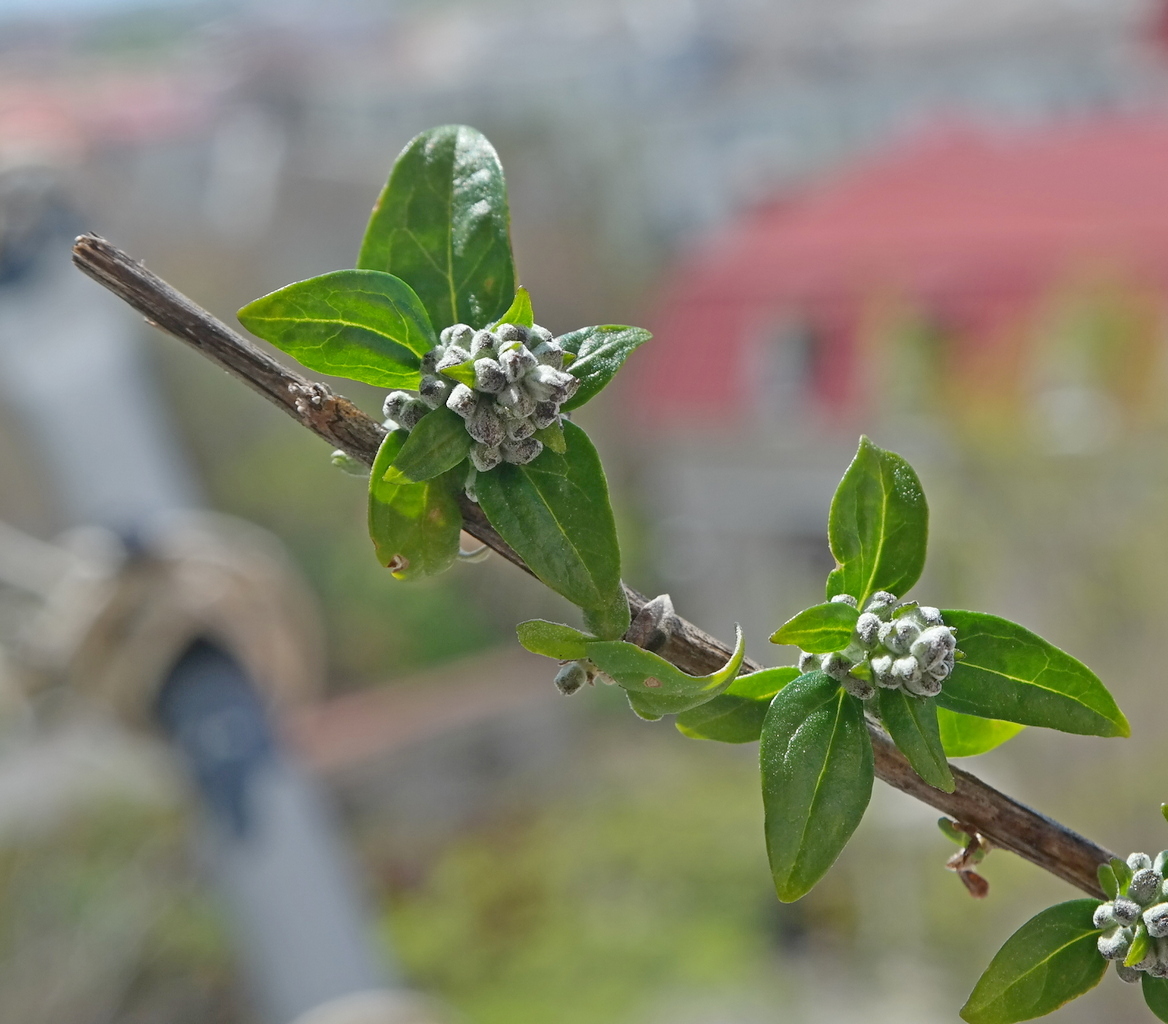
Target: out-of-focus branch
column 1000, row 818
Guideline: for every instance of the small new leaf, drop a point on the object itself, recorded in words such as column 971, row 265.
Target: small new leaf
column 552, row 437
column 519, row 312
column 1141, row 942
column 737, row 714
column 820, row 629
column 878, row 526
column 1049, row 961
column 912, row 724
column 655, row 686
column 1012, row 674
column 437, row 444
column 555, row 512
column 359, row 324
column 553, row 639
column 464, row 373
column 414, row 526
column 442, row 225
column 1107, row 880
column 598, row 353
column 817, row 772
column 967, row 735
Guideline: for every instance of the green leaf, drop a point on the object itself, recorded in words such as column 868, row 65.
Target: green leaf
column 655, row 686
column 736, row 715
column 1156, row 995
column 464, row 373
column 1164, row 811
column 1049, row 961
column 1012, row 674
column 951, row 832
column 1123, row 874
column 552, row 437
column 878, row 526
column 553, row 639
column 817, row 774
column 1141, row 941
column 555, row 512
column 912, row 724
column 966, row 735
column 519, row 312
column 1107, row 880
column 820, row 629
column 437, row 444
column 443, row 226
column 351, row 323
column 414, row 527
column 599, row 352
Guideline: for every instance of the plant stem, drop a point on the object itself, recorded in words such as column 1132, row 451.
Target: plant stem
column 1000, row 818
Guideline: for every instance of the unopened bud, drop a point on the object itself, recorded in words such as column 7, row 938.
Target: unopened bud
column 521, row 452
column 484, row 343
column 1156, row 918
column 1114, row 943
column 847, row 599
column 882, row 671
column 485, row 458
column 931, row 646
column 347, row 464
column 880, row 600
column 857, row 687
column 517, row 362
column 434, row 391
column 516, row 401
column 570, row 678
column 924, row 685
column 412, row 414
column 1128, row 974
column 906, row 669
column 539, row 335
column 455, row 355
column 489, row 376
column 930, row 616
column 1104, row 916
column 868, row 629
column 545, row 414
column 808, row 662
column 1136, row 861
column 1159, row 863
column 485, row 426
column 394, row 403
column 1144, row 886
column 511, row 332
column 549, row 353
column 462, row 400
column 519, row 430
column 835, row 665
column 1125, row 911
column 1159, row 968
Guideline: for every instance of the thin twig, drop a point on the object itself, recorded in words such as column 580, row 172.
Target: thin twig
column 1001, row 819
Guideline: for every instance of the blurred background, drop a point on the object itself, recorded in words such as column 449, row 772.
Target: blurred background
column 941, row 224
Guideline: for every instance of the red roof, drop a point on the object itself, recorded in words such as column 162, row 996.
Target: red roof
column 971, row 225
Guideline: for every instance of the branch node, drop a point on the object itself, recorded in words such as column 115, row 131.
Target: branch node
column 654, row 624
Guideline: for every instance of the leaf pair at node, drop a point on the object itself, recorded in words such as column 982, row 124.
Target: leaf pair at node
column 437, row 255
column 869, row 655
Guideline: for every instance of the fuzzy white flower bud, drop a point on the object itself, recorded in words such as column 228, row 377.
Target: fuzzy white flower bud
column 1144, row 886
column 394, row 403
column 462, row 400
column 570, row 678
column 520, row 430
column 1104, row 916
column 1125, row 911
column 1159, row 968
column 881, row 601
column 847, row 599
column 517, row 362
column 1114, row 943
column 484, row 343
column 858, row 687
column 412, row 414
column 1156, row 918
column 454, row 356
column 882, row 671
column 485, row 426
column 545, row 414
column 925, row 685
column 1128, row 974
column 511, row 332
column 434, row 391
column 1160, row 862
column 835, row 665
column 932, row 646
column 516, row 402
column 549, row 353
column 489, row 376
column 521, row 452
column 460, row 334
column 930, row 616
column 484, row 458
column 1136, row 861
column 868, row 629
column 808, row 662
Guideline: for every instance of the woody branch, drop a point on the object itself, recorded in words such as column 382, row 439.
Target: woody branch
column 999, row 818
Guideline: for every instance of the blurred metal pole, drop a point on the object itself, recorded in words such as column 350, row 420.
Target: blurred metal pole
column 78, row 384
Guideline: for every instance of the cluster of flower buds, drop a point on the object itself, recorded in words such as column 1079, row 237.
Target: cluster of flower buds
column 895, row 645
column 1143, row 907
column 519, row 384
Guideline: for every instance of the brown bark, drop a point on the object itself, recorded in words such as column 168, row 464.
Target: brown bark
column 998, row 817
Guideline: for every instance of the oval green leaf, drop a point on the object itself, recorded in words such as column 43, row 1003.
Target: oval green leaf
column 600, row 352
column 878, row 526
column 442, row 225
column 555, row 512
column 736, row 715
column 817, row 772
column 912, row 724
column 1011, row 674
column 1156, row 995
column 552, row 436
column 437, row 444
column 655, row 686
column 820, row 629
column 1107, row 880
column 359, row 324
column 966, row 735
column 553, row 639
column 1049, row 961
column 519, row 312
column 414, row 527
